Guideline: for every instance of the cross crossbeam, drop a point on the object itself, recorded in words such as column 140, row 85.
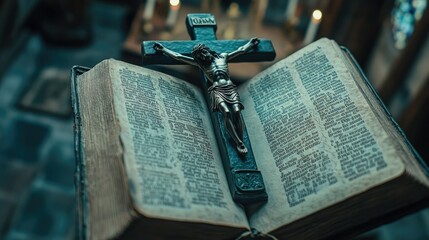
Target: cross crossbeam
column 264, row 52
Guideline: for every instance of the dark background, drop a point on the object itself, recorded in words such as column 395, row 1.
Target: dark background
column 40, row 40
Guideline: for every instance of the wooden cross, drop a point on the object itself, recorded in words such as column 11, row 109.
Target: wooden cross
column 244, row 179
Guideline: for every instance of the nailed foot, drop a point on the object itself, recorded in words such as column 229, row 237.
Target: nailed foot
column 241, row 148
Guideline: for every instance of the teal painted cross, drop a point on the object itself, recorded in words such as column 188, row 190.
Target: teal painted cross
column 244, row 179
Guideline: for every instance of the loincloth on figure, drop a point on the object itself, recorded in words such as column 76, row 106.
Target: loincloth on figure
column 223, row 93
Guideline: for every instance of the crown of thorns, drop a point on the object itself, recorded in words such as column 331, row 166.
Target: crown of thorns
column 199, row 47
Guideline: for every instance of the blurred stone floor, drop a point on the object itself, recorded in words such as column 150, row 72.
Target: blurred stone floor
column 37, row 198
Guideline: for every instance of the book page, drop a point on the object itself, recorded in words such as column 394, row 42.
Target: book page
column 174, row 167
column 318, row 141
column 104, row 202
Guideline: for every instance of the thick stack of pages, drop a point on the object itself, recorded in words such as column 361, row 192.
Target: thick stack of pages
column 332, row 158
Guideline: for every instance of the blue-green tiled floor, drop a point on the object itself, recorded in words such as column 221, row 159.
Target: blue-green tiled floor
column 37, row 198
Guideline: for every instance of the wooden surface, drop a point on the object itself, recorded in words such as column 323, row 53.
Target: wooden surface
column 415, row 121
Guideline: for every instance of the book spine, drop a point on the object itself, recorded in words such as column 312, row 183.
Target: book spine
column 255, row 234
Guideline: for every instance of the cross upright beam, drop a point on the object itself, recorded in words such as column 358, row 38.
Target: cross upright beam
column 244, row 179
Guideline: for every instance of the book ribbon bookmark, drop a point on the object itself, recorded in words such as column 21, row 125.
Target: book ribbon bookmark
column 212, row 56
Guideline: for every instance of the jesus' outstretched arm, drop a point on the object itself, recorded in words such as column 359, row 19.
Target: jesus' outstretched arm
column 160, row 48
column 246, row 47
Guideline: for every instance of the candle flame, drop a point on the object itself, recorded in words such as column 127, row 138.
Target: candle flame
column 174, row 3
column 317, row 15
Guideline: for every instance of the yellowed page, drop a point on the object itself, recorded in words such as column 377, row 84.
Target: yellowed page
column 171, row 157
column 105, row 197
column 315, row 138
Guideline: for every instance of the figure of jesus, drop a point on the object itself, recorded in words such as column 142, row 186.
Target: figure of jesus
column 223, row 92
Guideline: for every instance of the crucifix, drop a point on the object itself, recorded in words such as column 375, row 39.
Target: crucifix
column 212, row 57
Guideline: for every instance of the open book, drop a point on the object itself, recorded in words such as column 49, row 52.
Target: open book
column 332, row 158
